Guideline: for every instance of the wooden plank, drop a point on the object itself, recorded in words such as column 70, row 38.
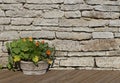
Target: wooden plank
column 62, row 76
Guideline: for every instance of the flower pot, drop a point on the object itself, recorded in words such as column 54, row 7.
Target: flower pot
column 29, row 68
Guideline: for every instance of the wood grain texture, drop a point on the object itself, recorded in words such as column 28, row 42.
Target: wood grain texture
column 62, row 76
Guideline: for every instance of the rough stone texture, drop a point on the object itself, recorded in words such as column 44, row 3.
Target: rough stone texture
column 73, row 14
column 114, row 23
column 73, row 35
column 2, row 14
column 22, row 28
column 117, row 35
column 10, row 6
column 82, row 29
column 40, row 21
column 44, row 1
column 82, row 22
column 73, row 1
column 4, row 21
column 110, row 62
column 24, row 13
column 76, row 7
column 67, row 45
column 84, row 61
column 106, row 29
column 96, row 14
column 106, row 8
column 53, row 14
column 40, row 7
column 0, row 48
column 102, row 35
column 21, row 21
column 9, row 35
column 100, row 45
column 38, row 34
column 71, row 54
column 84, row 32
column 1, row 28
column 12, row 1
column 3, row 61
column 113, row 53
column 60, row 53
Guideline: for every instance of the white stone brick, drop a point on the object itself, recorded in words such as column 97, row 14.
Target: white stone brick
column 117, row 35
column 0, row 48
column 50, row 28
column 2, row 14
column 96, row 14
column 72, row 14
column 111, row 62
column 107, row 8
column 71, row 54
column 53, row 14
column 12, row 1
column 100, row 45
column 67, row 45
column 40, row 21
column 76, row 7
column 1, row 28
column 3, row 61
column 60, row 53
column 82, row 29
column 102, row 35
column 70, row 7
column 9, row 35
column 65, row 29
column 4, row 21
column 73, row 35
column 82, row 61
column 103, row 2
column 85, row 7
column 82, row 22
column 10, row 6
column 106, row 29
column 114, row 23
column 73, row 1
column 42, row 6
column 44, row 1
column 38, row 34
column 21, row 21
column 24, row 13
column 95, row 2
column 23, row 28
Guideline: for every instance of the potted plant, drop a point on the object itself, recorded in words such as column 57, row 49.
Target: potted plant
column 30, row 56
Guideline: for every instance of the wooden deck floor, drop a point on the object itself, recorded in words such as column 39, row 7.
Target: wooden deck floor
column 62, row 76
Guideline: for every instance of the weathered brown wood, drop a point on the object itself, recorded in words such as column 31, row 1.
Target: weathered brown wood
column 62, row 76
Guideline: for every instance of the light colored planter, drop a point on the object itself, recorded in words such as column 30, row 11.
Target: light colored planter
column 29, row 68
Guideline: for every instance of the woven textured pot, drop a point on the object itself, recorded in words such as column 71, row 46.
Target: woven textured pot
column 29, row 68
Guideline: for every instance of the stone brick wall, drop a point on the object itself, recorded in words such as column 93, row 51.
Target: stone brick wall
column 86, row 33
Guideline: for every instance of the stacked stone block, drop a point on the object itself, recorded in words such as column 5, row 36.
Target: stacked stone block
column 86, row 33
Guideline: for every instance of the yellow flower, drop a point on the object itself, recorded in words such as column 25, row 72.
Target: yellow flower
column 30, row 39
column 35, row 59
column 16, row 58
column 24, row 39
column 49, row 61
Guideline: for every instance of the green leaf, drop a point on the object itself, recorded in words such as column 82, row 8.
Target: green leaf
column 13, row 44
column 16, row 50
column 9, row 66
column 26, row 56
column 25, row 49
